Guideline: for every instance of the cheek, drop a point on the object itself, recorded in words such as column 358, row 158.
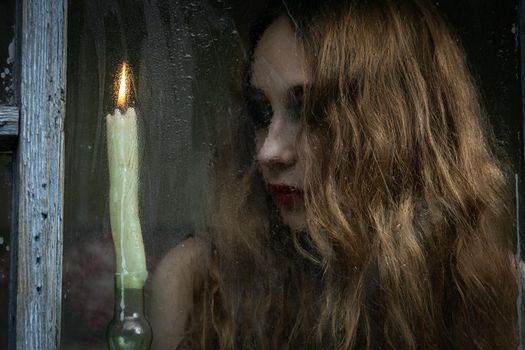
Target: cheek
column 260, row 136
column 301, row 157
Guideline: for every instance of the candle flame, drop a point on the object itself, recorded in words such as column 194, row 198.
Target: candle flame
column 123, row 89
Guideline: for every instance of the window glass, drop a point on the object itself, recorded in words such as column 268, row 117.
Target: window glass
column 7, row 50
column 184, row 59
column 5, row 228
column 255, row 229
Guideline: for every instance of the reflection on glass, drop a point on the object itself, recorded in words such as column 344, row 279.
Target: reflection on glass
column 314, row 175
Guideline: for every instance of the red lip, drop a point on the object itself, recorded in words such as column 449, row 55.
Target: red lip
column 285, row 195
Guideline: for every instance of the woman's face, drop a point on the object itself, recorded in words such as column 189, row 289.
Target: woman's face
column 278, row 79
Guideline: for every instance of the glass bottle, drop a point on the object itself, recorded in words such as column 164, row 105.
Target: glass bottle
column 129, row 329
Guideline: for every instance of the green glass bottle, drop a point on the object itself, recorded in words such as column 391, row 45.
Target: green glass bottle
column 129, row 329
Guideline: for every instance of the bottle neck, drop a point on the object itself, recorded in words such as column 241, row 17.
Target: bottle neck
column 128, row 301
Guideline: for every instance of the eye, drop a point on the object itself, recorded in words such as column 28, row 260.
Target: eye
column 260, row 111
column 295, row 103
column 295, row 109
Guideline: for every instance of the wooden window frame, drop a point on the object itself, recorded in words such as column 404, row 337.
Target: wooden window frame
column 34, row 131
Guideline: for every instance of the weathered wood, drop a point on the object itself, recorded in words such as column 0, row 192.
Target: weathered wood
column 40, row 168
column 8, row 127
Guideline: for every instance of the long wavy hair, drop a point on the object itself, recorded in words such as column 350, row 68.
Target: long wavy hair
column 408, row 242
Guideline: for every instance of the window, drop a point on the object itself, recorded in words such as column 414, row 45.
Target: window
column 189, row 74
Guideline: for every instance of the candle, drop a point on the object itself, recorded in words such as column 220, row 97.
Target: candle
column 123, row 189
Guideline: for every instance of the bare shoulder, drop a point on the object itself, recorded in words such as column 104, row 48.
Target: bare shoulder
column 187, row 258
column 177, row 277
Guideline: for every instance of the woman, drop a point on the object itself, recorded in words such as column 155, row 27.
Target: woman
column 373, row 215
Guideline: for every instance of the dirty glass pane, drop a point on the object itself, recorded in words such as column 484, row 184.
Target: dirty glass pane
column 7, row 50
column 184, row 58
column 5, row 223
column 256, row 234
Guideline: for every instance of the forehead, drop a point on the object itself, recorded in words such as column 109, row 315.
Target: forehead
column 279, row 61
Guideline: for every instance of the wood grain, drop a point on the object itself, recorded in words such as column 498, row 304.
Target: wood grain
column 40, row 167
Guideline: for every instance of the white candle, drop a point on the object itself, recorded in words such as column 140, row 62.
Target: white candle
column 123, row 191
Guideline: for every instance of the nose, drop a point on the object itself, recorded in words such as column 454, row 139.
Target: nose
column 278, row 144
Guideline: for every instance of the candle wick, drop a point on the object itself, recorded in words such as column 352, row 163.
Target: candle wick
column 123, row 87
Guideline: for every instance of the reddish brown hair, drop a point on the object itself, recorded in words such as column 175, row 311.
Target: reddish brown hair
column 408, row 243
